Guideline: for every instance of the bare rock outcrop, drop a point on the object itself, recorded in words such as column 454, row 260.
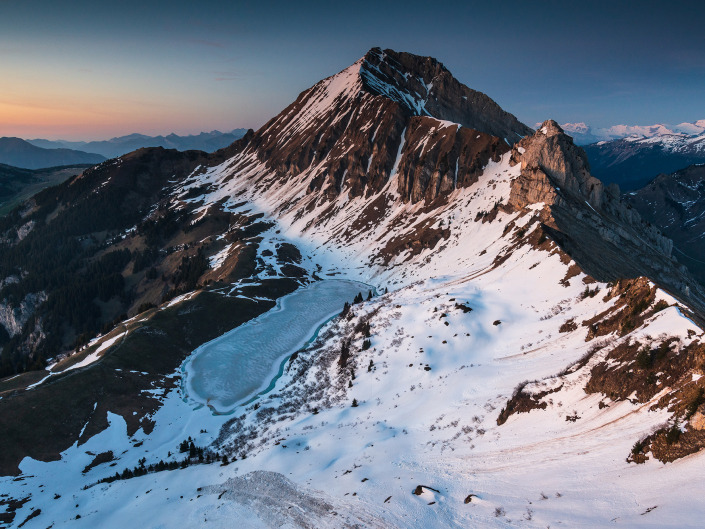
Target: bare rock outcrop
column 556, row 171
column 14, row 318
column 440, row 157
column 591, row 223
column 425, row 87
column 551, row 155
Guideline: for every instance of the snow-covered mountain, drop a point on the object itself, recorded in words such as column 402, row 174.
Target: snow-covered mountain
column 584, row 134
column 528, row 351
column 633, row 161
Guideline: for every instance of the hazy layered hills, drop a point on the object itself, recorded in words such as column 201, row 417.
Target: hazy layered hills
column 205, row 141
column 20, row 153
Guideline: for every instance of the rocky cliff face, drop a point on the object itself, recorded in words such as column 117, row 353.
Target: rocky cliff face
column 675, row 203
column 550, row 153
column 14, row 318
column 556, row 171
column 425, row 87
column 606, row 236
column 349, row 132
column 439, row 157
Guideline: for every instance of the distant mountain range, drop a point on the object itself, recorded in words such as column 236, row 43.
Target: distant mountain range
column 632, row 155
column 584, row 134
column 634, row 161
column 20, row 153
column 205, row 141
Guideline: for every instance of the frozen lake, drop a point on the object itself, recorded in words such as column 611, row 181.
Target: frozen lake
column 238, row 365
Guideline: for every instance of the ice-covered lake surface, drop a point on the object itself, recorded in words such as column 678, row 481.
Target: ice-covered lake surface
column 242, row 363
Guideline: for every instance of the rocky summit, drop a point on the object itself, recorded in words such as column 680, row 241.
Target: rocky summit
column 393, row 305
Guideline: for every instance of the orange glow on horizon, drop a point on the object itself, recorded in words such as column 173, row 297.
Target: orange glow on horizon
column 31, row 121
column 100, row 120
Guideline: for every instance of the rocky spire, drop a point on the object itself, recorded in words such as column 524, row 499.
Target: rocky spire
column 551, row 153
column 556, row 172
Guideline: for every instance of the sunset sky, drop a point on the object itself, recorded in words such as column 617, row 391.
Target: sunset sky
column 92, row 70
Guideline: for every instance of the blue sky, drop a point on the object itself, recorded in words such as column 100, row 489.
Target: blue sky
column 92, row 70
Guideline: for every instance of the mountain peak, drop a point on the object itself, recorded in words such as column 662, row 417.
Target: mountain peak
column 356, row 131
column 402, row 77
column 425, row 87
column 551, row 128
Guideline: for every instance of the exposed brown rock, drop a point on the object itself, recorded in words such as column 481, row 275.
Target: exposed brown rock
column 697, row 421
column 551, row 153
column 432, row 90
column 424, row 235
column 523, row 402
column 608, row 239
column 438, row 158
column 554, row 170
column 354, row 139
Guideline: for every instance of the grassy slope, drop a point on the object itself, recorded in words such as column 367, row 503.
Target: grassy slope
column 23, row 186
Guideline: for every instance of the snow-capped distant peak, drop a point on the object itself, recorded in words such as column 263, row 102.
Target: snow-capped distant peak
column 585, row 134
column 695, row 128
column 579, row 128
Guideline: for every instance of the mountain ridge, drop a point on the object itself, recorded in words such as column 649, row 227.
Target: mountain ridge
column 676, row 202
column 495, row 261
column 584, row 134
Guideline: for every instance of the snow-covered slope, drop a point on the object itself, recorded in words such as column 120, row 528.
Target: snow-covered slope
column 495, row 381
column 447, row 351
